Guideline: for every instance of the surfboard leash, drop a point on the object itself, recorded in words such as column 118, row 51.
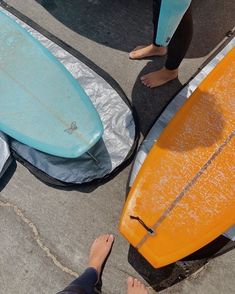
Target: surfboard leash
column 142, row 223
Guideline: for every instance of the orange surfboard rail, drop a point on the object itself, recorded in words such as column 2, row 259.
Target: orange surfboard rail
column 184, row 194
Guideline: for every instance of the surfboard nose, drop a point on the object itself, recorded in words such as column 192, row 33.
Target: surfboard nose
column 42, row 105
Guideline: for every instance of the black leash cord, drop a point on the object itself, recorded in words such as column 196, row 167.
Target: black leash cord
column 142, row 223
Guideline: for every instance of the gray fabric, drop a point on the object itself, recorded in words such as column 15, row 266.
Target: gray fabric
column 5, row 158
column 116, row 116
column 170, row 111
column 80, row 170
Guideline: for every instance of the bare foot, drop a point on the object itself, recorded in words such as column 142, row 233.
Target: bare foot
column 147, row 51
column 135, row 287
column 159, row 77
column 99, row 251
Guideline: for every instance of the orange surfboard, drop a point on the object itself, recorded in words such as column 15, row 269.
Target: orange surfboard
column 184, row 195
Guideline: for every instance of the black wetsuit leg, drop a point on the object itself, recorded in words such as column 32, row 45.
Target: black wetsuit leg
column 181, row 39
column 156, row 13
column 84, row 284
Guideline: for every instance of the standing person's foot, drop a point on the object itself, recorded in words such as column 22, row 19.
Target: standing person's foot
column 135, row 287
column 159, row 77
column 99, row 251
column 147, row 51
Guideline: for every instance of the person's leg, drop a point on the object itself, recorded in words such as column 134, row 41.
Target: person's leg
column 152, row 49
column 135, row 287
column 177, row 49
column 84, row 284
column 99, row 251
column 180, row 41
column 86, row 281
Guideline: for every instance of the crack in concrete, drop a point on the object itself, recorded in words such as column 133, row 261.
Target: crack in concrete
column 37, row 238
column 41, row 245
column 53, row 258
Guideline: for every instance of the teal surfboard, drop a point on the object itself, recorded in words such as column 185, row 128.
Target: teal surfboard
column 171, row 13
column 41, row 104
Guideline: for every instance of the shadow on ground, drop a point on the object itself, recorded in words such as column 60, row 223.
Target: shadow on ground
column 124, row 24
column 163, row 278
column 149, row 103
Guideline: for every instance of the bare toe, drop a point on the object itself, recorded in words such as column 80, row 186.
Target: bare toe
column 159, row 77
column 134, row 54
column 130, row 282
column 141, row 52
column 134, row 286
column 99, row 251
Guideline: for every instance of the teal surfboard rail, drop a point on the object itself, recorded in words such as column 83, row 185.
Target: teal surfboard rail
column 171, row 13
column 42, row 105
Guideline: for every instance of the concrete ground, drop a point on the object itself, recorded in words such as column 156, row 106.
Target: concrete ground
column 45, row 233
